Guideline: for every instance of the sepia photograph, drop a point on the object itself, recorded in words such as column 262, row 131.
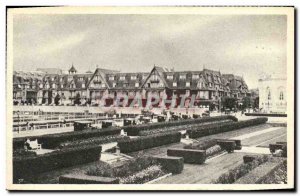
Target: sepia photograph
column 150, row 98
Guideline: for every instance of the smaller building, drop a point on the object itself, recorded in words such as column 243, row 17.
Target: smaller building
column 272, row 94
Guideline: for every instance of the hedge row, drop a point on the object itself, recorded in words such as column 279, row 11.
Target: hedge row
column 51, row 141
column 189, row 155
column 142, row 143
column 223, row 127
column 93, row 141
column 266, row 114
column 173, row 165
column 133, row 130
column 28, row 167
column 202, row 145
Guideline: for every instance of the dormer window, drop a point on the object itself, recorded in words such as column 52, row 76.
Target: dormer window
column 182, row 76
column 195, row 76
column 103, row 85
column 122, row 77
column 133, row 77
column 52, row 79
column 144, row 77
column 170, row 77
column 114, row 84
column 111, row 77
column 187, row 84
column 97, row 78
column 137, row 84
column 83, row 85
column 81, row 79
column 174, row 84
column 53, row 85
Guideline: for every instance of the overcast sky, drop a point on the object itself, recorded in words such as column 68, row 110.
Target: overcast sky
column 243, row 45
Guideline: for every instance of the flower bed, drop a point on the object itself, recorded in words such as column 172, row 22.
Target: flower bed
column 223, row 127
column 145, row 142
column 202, row 145
column 134, row 171
column 234, row 174
column 278, row 176
column 93, row 141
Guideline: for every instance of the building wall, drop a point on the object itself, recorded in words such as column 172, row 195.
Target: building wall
column 272, row 94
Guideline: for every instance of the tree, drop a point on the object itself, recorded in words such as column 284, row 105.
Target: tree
column 256, row 102
column 246, row 103
column 229, row 102
column 77, row 99
column 56, row 99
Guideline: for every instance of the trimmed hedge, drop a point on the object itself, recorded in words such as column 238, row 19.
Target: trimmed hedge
column 134, row 130
column 170, row 164
column 266, row 114
column 86, row 179
column 51, row 141
column 227, row 145
column 28, row 167
column 211, row 129
column 189, row 155
column 150, row 141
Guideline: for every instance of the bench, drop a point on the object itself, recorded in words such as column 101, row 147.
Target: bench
column 33, row 145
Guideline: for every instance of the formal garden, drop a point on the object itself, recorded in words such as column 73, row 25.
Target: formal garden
column 176, row 140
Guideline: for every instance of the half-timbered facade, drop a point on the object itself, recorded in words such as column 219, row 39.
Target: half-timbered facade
column 105, row 86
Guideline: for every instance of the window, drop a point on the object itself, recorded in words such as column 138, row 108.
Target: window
column 114, row 84
column 52, row 79
column 210, row 84
column 97, row 78
column 122, row 77
column 195, row 76
column 111, row 78
column 53, row 85
column 281, row 97
column 174, row 84
column 83, row 85
column 81, row 79
column 187, row 84
column 133, row 77
column 170, row 77
column 41, row 86
column 103, row 85
column 62, row 86
column 182, row 76
column 137, row 84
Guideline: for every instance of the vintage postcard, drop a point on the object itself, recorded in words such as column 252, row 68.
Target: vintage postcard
column 150, row 98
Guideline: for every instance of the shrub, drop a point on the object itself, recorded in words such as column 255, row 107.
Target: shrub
column 274, row 147
column 143, row 176
column 279, row 176
column 145, row 142
column 23, row 153
column 228, row 145
column 189, row 155
column 170, row 164
column 28, row 167
column 223, row 127
column 51, row 141
column 134, row 130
